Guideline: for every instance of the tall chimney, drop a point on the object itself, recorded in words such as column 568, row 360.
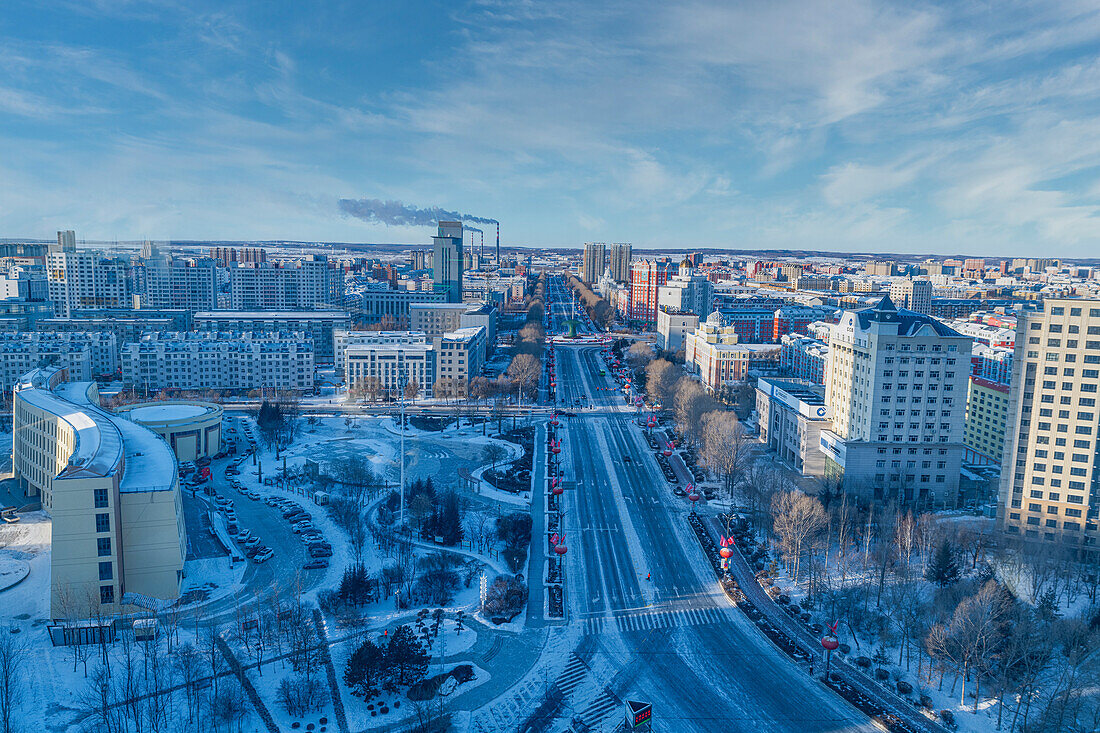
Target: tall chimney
column 498, row 244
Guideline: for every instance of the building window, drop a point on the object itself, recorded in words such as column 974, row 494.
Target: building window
column 106, row 594
column 101, row 498
column 103, row 546
column 103, row 523
column 105, row 571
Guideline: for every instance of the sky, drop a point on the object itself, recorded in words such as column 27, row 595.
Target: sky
column 849, row 125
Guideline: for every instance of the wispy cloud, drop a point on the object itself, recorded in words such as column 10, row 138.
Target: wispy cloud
column 860, row 123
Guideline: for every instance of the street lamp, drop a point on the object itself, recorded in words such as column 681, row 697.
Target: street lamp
column 402, row 383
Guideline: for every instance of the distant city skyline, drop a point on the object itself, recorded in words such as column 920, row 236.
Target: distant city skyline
column 856, row 126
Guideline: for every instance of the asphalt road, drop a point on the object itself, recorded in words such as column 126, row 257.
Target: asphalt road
column 643, row 592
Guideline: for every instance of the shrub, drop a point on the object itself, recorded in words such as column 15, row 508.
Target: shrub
column 904, row 688
column 463, row 673
column 881, row 674
column 515, row 557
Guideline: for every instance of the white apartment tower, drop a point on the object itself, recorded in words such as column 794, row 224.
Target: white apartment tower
column 896, row 385
column 595, row 258
column 447, row 260
column 620, row 261
column 86, row 279
column 1050, row 483
column 914, row 295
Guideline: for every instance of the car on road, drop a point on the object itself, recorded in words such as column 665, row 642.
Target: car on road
column 264, row 556
column 316, row 564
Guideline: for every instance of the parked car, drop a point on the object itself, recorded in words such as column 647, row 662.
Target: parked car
column 290, row 510
column 253, row 541
column 318, row 551
column 316, row 564
column 264, row 556
column 301, row 527
column 244, row 535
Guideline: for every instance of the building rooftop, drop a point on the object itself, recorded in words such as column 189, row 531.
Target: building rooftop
column 909, row 322
column 271, row 315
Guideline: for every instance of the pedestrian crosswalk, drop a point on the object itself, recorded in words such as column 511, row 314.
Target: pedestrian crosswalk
column 572, row 675
column 648, row 620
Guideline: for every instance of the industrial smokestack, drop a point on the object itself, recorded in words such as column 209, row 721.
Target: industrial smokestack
column 498, row 244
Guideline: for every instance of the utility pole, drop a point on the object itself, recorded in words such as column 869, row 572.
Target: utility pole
column 402, row 383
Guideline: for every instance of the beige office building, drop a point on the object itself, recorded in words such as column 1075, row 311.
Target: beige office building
column 110, row 487
column 1050, row 486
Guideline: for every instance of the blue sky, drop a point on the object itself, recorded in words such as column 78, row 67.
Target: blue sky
column 847, row 125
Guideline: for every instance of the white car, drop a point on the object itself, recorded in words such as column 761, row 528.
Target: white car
column 264, row 556
column 244, row 535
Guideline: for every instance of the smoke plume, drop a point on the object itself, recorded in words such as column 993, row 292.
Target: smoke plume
column 396, row 213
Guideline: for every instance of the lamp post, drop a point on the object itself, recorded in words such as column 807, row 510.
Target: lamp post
column 402, row 383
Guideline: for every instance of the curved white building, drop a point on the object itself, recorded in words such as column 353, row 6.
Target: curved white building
column 111, row 489
column 192, row 429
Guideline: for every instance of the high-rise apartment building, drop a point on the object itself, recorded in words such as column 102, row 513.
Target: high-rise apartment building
column 66, row 241
column 86, row 279
column 228, row 255
column 896, row 385
column 1050, row 482
column 447, row 260
column 914, row 295
column 620, row 262
column 595, row 261
column 304, row 284
column 180, row 283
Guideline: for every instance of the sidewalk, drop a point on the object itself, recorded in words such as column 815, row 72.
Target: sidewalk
column 746, row 579
column 536, row 560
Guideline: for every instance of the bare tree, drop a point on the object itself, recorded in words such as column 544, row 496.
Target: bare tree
column 797, row 518
column 726, row 447
column 494, row 453
column 524, row 372
column 12, row 668
column 639, row 355
column 968, row 641
column 660, row 381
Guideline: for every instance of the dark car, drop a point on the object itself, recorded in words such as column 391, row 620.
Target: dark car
column 316, row 564
column 318, row 551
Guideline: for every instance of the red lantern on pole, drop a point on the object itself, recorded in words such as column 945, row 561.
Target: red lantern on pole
column 829, row 643
column 558, row 490
column 668, row 450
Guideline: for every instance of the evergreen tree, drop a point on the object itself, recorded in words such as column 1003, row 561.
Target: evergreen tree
column 450, row 520
column 365, row 669
column 943, row 569
column 406, row 661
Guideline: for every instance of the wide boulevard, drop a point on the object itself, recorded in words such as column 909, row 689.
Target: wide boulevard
column 655, row 626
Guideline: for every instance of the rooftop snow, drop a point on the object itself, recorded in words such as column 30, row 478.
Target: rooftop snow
column 163, row 413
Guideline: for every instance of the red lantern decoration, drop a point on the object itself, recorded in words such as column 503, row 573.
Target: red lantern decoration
column 726, row 553
column 693, row 498
column 558, row 490
column 830, row 642
column 561, row 549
